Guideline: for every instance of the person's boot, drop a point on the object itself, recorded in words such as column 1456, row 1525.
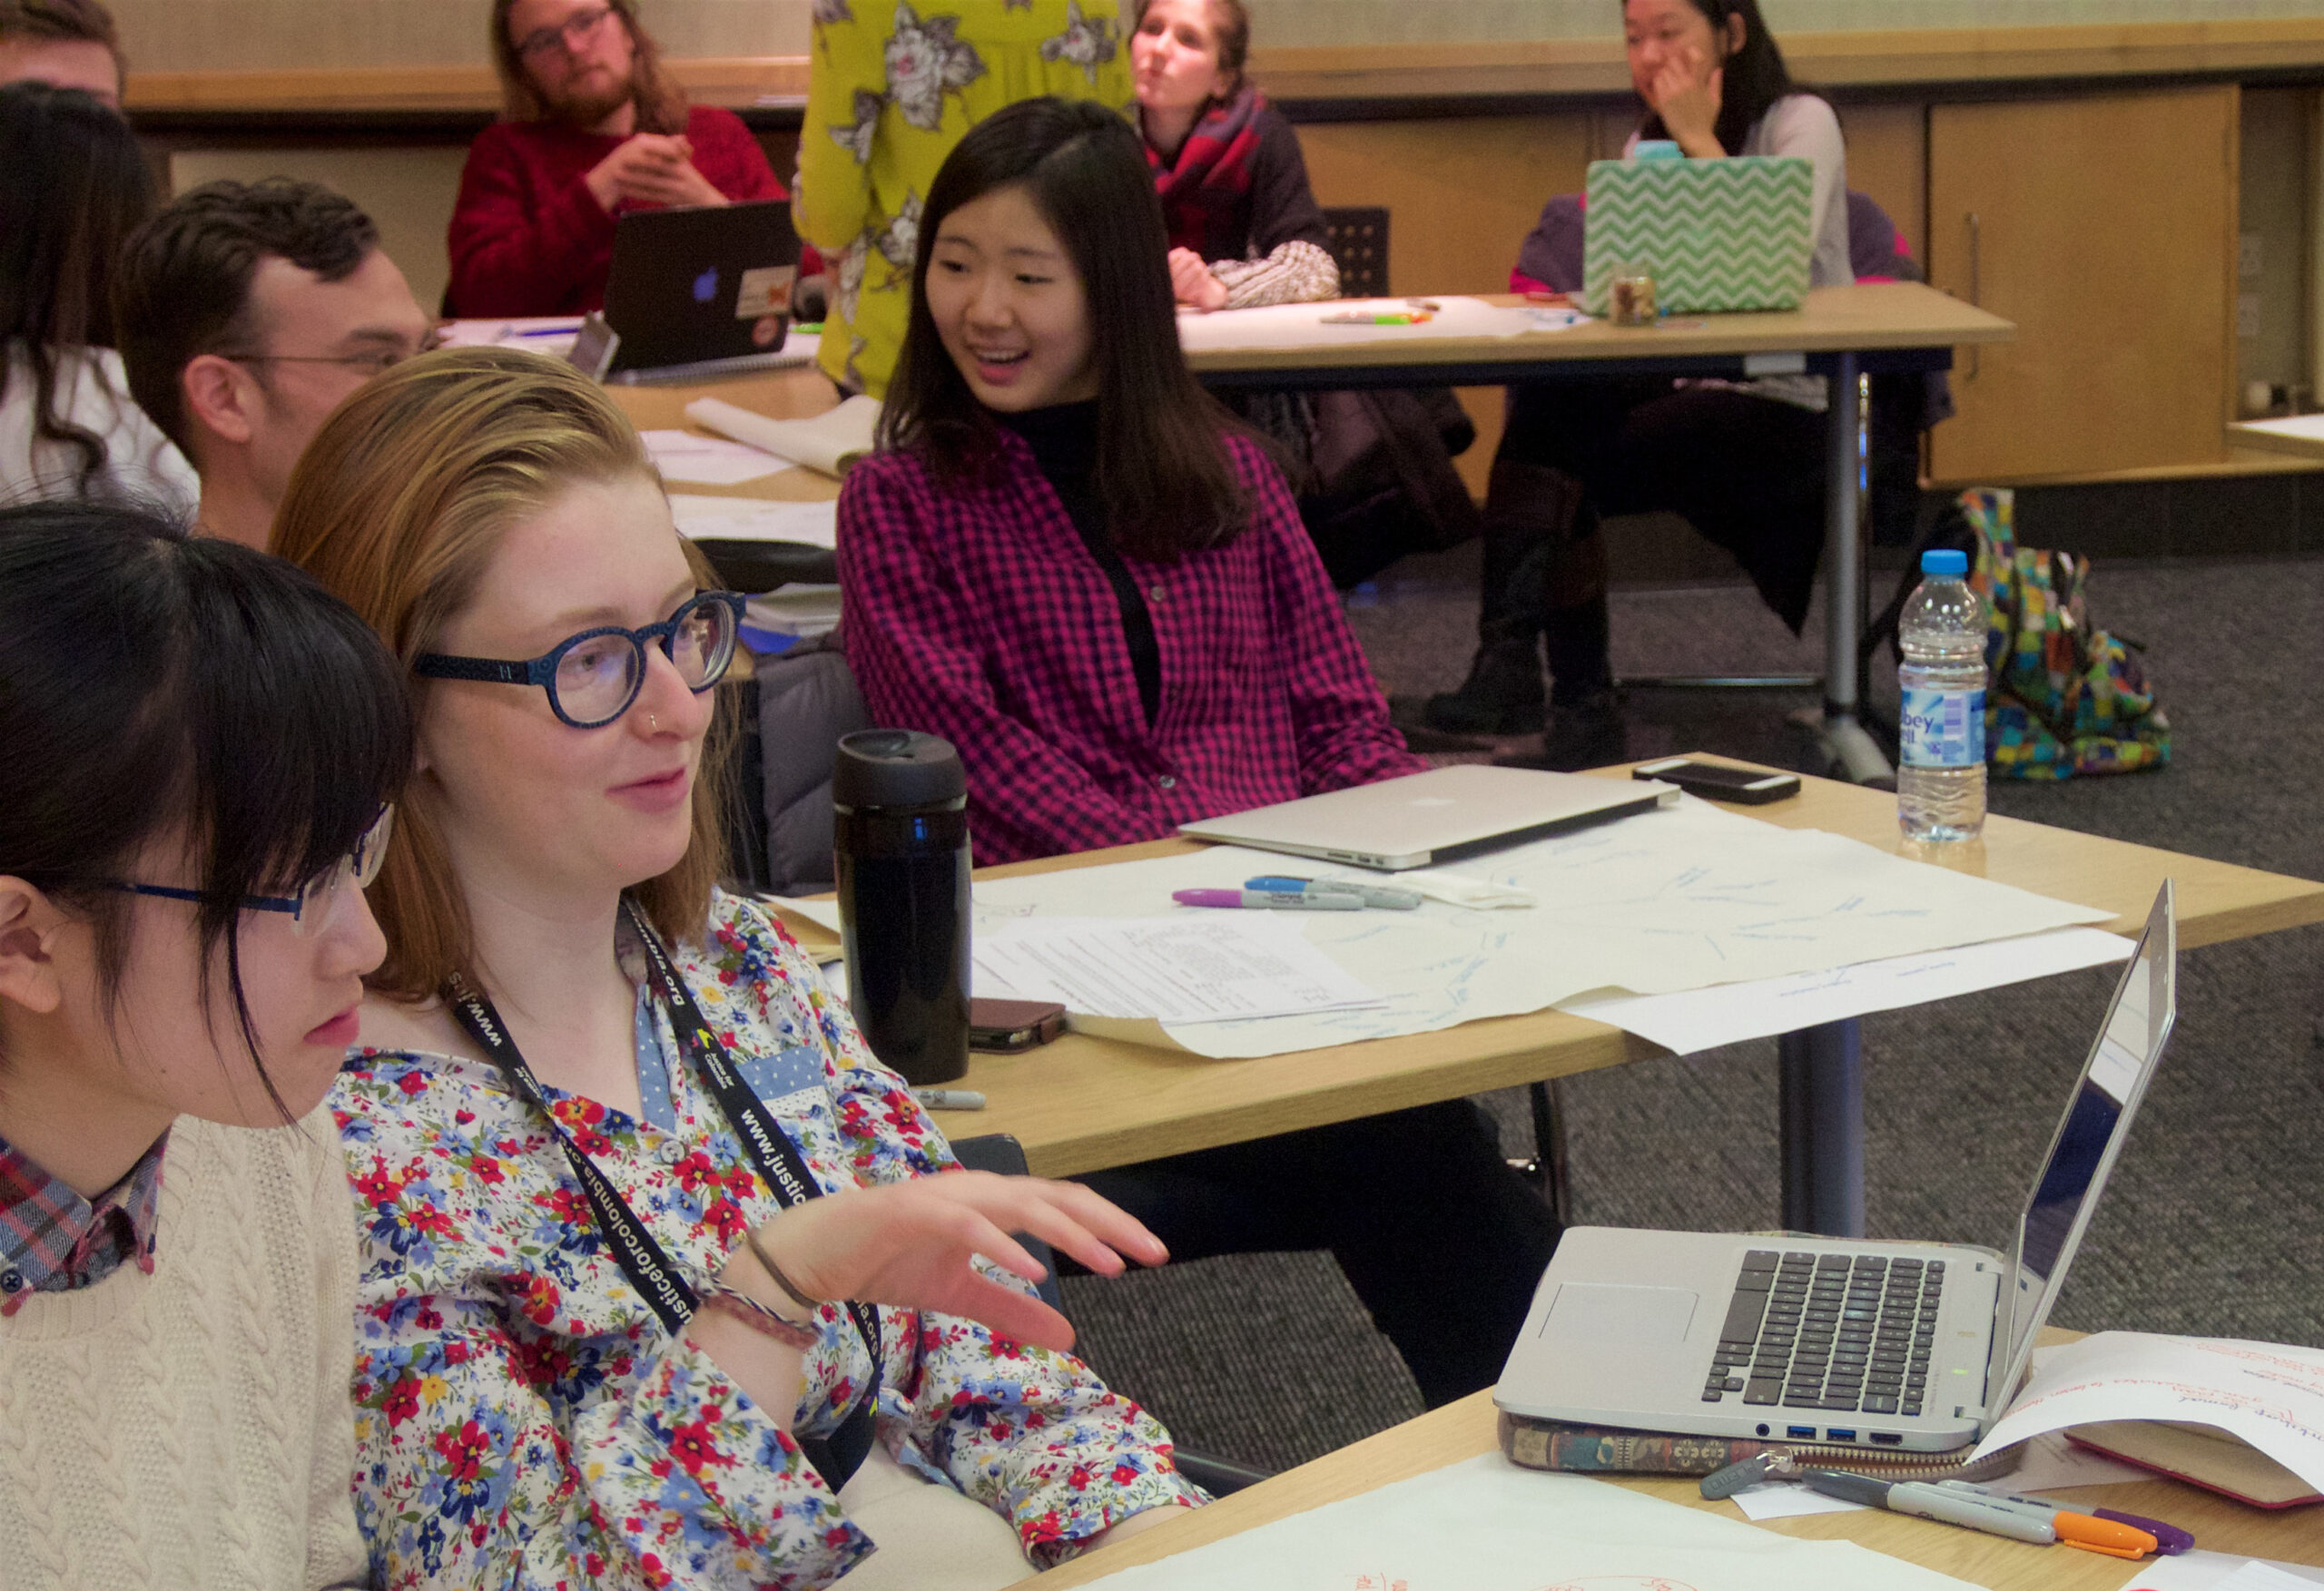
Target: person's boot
column 1529, row 512
column 1585, row 728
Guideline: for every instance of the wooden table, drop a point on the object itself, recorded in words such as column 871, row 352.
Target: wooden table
column 1464, row 1429
column 1083, row 1103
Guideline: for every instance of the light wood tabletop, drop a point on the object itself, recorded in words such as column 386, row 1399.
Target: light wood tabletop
column 1464, row 1429
column 1862, row 319
column 1084, row 1104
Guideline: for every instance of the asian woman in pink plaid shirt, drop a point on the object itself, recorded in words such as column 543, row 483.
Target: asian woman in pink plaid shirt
column 1071, row 563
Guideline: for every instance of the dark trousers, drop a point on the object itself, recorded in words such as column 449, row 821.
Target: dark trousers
column 1745, row 471
column 1439, row 1237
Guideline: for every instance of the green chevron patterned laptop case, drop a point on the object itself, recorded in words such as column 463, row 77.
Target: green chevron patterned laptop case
column 1716, row 235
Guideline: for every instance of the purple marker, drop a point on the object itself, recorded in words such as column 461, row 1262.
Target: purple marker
column 2169, row 1539
column 1267, row 900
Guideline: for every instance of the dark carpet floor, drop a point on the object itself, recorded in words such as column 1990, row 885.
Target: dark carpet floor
column 2214, row 1222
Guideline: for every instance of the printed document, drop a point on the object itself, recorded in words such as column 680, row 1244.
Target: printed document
column 707, row 461
column 2269, row 1395
column 1174, row 969
column 703, row 517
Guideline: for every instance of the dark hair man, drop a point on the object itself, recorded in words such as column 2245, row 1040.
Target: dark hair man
column 245, row 313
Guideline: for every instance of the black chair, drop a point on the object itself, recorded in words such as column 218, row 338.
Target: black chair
column 1001, row 1153
column 1358, row 239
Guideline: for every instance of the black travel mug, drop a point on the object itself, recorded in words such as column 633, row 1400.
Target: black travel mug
column 901, row 848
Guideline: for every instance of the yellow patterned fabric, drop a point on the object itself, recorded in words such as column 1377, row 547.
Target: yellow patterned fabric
column 890, row 93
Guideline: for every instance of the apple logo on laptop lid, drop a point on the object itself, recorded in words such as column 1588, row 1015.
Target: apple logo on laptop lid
column 705, row 286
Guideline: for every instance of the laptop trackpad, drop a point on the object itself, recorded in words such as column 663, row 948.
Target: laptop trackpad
column 1596, row 1312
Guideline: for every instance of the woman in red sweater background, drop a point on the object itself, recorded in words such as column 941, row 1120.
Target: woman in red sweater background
column 593, row 127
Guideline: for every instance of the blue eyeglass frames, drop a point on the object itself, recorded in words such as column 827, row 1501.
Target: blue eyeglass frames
column 311, row 910
column 593, row 677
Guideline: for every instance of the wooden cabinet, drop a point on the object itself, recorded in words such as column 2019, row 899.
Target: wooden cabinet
column 2104, row 226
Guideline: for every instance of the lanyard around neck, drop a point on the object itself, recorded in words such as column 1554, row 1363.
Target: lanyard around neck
column 772, row 1153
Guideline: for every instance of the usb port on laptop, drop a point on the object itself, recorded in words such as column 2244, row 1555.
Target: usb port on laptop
column 1837, row 1435
column 1800, row 1433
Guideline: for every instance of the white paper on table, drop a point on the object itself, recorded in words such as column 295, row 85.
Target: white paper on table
column 1677, row 897
column 707, row 461
column 1788, row 1499
column 2220, row 1571
column 755, row 519
column 803, row 611
column 829, row 442
column 545, row 334
column 2302, row 427
column 1175, row 970
column 2269, row 1395
column 1728, row 1013
column 1485, row 1525
column 1304, row 324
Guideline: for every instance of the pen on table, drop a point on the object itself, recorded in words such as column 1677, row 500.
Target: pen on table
column 1978, row 1511
column 1371, row 318
column 1267, row 900
column 2169, row 1539
column 1379, row 895
column 949, row 1098
column 543, row 332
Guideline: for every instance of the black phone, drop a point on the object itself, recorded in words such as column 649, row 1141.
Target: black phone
column 1008, row 1026
column 1717, row 782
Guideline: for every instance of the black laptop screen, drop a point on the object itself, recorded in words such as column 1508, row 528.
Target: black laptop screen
column 2066, row 1180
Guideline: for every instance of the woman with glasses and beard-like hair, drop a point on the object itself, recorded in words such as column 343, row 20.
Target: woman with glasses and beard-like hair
column 73, row 187
column 199, row 748
column 666, row 1280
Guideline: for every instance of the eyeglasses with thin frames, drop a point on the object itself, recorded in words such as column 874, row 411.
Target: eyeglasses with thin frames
column 374, row 362
column 573, row 34
column 316, row 904
column 593, row 677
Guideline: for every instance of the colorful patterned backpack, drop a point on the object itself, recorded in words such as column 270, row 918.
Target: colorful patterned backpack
column 2064, row 699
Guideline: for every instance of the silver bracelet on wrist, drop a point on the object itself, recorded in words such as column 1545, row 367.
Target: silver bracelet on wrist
column 760, row 1317
column 814, row 1306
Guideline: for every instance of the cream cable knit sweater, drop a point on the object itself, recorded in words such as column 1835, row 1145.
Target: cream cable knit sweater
column 192, row 1429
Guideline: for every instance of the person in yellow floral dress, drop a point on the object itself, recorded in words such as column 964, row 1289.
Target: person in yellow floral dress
column 890, row 93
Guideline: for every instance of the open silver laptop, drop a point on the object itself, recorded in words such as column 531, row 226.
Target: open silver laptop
column 1896, row 1346
column 1439, row 815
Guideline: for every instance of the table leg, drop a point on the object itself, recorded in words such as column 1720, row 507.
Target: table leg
column 1852, row 750
column 1820, row 1097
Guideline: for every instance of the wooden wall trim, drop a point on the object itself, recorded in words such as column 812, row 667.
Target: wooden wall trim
column 736, row 81
column 1374, row 72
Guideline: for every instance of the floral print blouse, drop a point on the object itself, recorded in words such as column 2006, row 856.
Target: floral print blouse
column 523, row 1420
column 891, row 86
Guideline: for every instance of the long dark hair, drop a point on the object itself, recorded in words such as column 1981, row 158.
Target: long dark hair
column 150, row 682
column 1163, row 473
column 73, row 186
column 1756, row 76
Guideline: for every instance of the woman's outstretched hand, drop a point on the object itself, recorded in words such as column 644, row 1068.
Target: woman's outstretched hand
column 909, row 1244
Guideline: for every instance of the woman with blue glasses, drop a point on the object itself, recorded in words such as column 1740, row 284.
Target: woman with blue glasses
column 196, row 745
column 660, row 1283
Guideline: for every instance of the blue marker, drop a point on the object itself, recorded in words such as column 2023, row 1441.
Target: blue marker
column 1370, row 894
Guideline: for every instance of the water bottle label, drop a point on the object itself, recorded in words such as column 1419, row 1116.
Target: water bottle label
column 1944, row 729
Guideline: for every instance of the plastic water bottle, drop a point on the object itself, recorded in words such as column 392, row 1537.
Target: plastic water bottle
column 1941, row 635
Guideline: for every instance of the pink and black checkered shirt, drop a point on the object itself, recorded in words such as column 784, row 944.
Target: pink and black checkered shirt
column 975, row 611
column 52, row 1240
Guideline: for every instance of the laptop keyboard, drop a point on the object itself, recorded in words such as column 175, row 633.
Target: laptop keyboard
column 1829, row 1332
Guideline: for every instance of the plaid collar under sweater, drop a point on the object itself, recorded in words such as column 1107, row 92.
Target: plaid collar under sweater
column 52, row 1240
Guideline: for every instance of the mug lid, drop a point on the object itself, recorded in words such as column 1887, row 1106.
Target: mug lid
column 896, row 767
